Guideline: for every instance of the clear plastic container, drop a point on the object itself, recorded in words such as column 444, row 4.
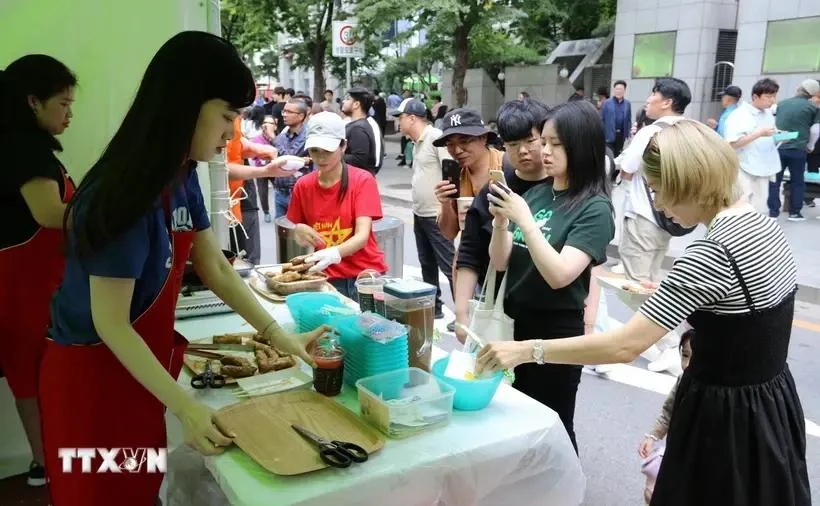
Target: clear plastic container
column 368, row 283
column 405, row 402
column 413, row 303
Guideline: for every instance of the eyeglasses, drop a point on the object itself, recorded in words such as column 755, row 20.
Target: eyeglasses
column 530, row 144
column 286, row 111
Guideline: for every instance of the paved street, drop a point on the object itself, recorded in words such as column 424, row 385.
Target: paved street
column 614, row 412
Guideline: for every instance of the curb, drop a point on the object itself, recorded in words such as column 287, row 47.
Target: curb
column 805, row 293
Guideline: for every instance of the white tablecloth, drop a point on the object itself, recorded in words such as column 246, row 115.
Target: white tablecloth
column 516, row 451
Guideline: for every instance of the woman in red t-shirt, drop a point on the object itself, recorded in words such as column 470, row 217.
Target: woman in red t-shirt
column 334, row 208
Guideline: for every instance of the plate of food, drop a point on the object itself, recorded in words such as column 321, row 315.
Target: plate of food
column 289, row 278
column 631, row 293
column 241, row 355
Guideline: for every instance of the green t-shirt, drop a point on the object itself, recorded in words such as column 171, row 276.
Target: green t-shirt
column 797, row 114
column 588, row 227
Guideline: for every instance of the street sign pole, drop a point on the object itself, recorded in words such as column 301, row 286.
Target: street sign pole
column 348, row 72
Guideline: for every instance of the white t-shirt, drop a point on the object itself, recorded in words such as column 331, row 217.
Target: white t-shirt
column 631, row 161
column 759, row 157
column 427, row 172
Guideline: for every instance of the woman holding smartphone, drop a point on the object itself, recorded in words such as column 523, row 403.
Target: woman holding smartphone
column 548, row 241
column 112, row 358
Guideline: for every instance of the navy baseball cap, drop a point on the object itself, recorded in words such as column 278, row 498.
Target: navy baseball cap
column 411, row 106
column 732, row 91
column 463, row 121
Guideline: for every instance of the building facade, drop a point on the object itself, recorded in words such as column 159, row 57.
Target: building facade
column 713, row 43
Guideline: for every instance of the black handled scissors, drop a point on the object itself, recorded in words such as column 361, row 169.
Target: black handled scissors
column 208, row 379
column 337, row 454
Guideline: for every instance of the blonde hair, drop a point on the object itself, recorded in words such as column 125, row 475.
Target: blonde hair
column 689, row 162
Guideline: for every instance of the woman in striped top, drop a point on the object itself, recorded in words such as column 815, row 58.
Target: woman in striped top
column 737, row 434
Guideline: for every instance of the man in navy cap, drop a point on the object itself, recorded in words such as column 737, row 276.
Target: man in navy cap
column 729, row 99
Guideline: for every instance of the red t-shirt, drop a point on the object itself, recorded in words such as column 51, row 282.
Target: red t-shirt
column 319, row 208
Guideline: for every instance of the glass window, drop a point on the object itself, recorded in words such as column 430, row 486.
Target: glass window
column 654, row 55
column 791, row 46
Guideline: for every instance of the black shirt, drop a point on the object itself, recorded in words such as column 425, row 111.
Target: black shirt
column 473, row 251
column 26, row 156
column 361, row 145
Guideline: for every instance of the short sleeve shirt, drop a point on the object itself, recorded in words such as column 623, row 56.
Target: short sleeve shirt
column 25, row 157
column 759, row 157
column 335, row 221
column 797, row 114
column 588, row 227
column 427, row 172
column 142, row 253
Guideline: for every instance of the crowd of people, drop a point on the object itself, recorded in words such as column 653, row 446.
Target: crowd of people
column 539, row 220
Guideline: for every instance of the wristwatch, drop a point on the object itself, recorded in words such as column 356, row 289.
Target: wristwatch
column 538, row 352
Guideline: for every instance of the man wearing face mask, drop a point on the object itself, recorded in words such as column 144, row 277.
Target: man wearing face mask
column 749, row 131
column 518, row 122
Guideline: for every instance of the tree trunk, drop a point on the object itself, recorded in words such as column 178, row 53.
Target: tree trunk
column 319, row 83
column 461, row 50
column 320, row 49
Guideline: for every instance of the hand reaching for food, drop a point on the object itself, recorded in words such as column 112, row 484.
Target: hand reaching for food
column 324, row 258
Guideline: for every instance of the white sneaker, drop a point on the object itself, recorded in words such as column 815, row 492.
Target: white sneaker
column 618, row 269
column 669, row 361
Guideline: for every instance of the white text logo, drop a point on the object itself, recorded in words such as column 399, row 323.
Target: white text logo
column 455, row 120
column 114, row 460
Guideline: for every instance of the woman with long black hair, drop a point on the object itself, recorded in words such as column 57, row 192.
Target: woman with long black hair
column 548, row 240
column 36, row 94
column 110, row 365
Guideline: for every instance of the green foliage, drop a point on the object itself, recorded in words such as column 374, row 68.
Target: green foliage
column 248, row 25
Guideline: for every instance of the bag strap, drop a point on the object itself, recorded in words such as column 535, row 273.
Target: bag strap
column 498, row 306
column 488, row 288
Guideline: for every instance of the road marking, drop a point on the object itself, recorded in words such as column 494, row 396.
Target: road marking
column 802, row 324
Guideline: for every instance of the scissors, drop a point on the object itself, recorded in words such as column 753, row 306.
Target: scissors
column 338, row 454
column 208, row 378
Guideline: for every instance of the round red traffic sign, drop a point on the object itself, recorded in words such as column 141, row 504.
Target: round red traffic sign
column 346, row 35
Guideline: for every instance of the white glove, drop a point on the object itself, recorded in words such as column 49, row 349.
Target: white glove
column 324, row 258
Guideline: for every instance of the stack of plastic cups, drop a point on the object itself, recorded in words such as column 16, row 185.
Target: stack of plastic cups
column 365, row 354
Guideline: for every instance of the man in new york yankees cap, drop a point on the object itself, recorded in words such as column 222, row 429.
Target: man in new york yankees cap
column 463, row 122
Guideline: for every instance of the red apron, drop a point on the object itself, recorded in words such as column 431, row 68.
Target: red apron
column 89, row 400
column 29, row 275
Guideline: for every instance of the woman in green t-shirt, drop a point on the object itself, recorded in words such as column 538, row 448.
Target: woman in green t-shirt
column 548, row 240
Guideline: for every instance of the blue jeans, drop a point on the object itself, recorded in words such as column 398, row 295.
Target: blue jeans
column 347, row 287
column 795, row 161
column 281, row 201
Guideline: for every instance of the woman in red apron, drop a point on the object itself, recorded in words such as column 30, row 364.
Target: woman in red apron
column 112, row 357
column 36, row 93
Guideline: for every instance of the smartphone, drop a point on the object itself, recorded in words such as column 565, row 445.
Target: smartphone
column 497, row 177
column 451, row 172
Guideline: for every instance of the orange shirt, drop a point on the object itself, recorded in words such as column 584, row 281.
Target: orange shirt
column 233, row 152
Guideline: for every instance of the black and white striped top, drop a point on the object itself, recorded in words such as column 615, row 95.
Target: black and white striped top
column 702, row 278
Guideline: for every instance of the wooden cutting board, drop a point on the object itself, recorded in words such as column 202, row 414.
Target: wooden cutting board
column 259, row 286
column 263, row 430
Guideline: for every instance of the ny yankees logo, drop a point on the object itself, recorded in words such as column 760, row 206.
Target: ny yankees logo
column 455, row 120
